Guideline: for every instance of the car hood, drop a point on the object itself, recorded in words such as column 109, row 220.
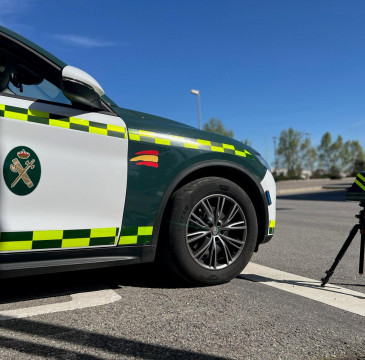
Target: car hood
column 143, row 121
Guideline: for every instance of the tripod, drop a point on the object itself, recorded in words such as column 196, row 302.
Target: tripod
column 361, row 227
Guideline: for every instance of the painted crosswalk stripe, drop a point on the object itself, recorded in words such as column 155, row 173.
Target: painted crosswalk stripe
column 332, row 295
column 78, row 301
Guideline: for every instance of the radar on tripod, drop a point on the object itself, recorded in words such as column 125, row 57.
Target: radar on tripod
column 355, row 193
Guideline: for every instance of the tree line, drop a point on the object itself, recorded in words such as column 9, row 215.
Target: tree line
column 331, row 158
column 295, row 153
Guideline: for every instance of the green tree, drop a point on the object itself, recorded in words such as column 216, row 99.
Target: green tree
column 216, row 126
column 359, row 165
column 352, row 157
column 324, row 160
column 331, row 155
column 246, row 142
column 308, row 155
column 294, row 152
column 336, row 155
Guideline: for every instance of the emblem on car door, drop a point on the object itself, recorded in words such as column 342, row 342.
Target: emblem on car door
column 22, row 170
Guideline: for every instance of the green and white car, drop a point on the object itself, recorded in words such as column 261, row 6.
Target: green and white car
column 88, row 184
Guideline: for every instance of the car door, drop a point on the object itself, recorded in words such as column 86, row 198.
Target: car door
column 64, row 170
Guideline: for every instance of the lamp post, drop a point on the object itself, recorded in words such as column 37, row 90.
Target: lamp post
column 276, row 156
column 197, row 93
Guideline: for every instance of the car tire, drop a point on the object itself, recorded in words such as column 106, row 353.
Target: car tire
column 210, row 231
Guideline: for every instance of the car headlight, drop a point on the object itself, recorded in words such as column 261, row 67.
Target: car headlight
column 263, row 161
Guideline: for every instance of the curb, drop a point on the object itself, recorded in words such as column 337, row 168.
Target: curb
column 336, row 187
column 311, row 189
column 299, row 190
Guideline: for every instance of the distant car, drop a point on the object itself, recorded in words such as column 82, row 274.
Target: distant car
column 88, row 184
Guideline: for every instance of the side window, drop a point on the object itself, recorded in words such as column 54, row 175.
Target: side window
column 20, row 78
column 43, row 91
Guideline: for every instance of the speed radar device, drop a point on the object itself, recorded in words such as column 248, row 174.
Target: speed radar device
column 355, row 193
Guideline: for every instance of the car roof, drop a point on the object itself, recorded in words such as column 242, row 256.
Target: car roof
column 19, row 39
column 7, row 33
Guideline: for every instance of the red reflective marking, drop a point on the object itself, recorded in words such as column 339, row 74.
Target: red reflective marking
column 147, row 152
column 148, row 163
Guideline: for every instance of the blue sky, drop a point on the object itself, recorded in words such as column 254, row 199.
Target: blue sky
column 261, row 65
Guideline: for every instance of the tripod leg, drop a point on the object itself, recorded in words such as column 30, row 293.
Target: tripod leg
column 340, row 255
column 362, row 247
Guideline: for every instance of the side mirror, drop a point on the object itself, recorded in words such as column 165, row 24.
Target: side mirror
column 80, row 87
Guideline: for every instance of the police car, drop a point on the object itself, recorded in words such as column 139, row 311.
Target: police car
column 88, row 184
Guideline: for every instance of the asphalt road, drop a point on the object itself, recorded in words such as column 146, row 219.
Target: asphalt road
column 155, row 317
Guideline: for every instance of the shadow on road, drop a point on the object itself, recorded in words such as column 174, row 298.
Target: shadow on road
column 88, row 342
column 337, row 195
column 67, row 283
column 76, row 343
column 306, row 284
column 343, row 284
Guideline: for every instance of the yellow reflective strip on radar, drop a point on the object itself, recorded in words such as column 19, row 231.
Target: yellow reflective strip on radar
column 357, row 182
column 272, row 223
column 361, row 177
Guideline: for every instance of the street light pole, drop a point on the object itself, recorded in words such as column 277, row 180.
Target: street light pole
column 276, row 156
column 197, row 93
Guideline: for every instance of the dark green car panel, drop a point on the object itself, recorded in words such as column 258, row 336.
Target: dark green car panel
column 149, row 187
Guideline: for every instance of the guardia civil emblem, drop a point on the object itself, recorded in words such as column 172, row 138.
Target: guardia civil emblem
column 22, row 170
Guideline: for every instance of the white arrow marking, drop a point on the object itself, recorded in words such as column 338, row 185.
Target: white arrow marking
column 79, row 301
column 332, row 295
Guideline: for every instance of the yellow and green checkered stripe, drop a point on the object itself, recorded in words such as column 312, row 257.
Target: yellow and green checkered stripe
column 71, row 123
column 57, row 239
column 180, row 141
column 136, row 235
column 272, row 227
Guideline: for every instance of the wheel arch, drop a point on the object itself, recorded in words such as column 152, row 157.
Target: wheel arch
column 232, row 171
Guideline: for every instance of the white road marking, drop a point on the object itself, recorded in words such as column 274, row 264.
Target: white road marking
column 332, row 295
column 79, row 301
